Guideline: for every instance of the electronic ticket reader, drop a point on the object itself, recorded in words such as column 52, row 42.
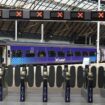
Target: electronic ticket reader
column 87, row 89
column 3, row 85
column 22, row 84
column 45, row 84
column 66, row 75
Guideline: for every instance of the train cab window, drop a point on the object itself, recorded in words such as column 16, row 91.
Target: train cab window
column 19, row 53
column 30, row 53
column 85, row 54
column 51, row 54
column 77, row 53
column 41, row 54
column 92, row 53
column 61, row 54
column 69, row 53
column 13, row 53
column 16, row 53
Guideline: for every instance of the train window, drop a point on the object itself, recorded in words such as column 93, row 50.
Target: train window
column 41, row 54
column 77, row 53
column 16, row 53
column 92, row 53
column 85, row 54
column 52, row 54
column 69, row 53
column 30, row 53
column 61, row 54
column 13, row 53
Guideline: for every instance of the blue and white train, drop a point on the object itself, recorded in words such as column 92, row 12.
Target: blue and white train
column 20, row 53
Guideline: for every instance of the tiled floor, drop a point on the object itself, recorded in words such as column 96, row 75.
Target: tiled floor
column 54, row 99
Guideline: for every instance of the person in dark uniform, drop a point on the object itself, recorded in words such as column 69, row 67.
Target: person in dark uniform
column 67, row 87
column 90, row 87
column 86, row 75
column 22, row 84
column 45, row 87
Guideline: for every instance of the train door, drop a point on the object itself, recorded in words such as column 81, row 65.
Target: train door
column 2, row 55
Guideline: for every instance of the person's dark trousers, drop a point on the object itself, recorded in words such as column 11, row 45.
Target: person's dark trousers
column 90, row 91
column 22, row 90
column 67, row 91
column 45, row 91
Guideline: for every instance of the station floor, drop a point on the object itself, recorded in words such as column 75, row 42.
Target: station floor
column 54, row 98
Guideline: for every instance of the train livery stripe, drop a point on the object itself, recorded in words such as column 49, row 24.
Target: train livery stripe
column 51, row 77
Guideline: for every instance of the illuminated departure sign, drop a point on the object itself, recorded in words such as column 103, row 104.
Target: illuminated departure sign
column 52, row 15
column 57, row 15
column 100, row 15
column 16, row 14
column 36, row 14
column 77, row 15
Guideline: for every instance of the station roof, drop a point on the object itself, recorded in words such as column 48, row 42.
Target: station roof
column 70, row 31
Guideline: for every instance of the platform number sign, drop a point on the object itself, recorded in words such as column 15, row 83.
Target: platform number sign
column 16, row 14
column 57, row 15
column 0, row 13
column 98, row 15
column 77, row 15
column 36, row 14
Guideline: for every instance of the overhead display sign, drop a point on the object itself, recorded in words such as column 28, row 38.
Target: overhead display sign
column 57, row 15
column 52, row 15
column 98, row 15
column 36, row 14
column 77, row 15
column 16, row 14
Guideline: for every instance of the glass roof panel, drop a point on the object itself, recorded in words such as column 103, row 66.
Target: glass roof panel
column 3, row 1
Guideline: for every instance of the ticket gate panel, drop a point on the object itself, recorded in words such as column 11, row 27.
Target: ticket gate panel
column 93, row 70
column 9, row 76
column 59, row 77
column 38, row 76
column 80, row 78
column 51, row 77
column 72, row 74
column 30, row 77
column 100, row 77
column 17, row 76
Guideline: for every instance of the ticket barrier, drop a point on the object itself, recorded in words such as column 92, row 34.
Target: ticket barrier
column 3, row 85
column 102, row 90
column 22, row 84
column 87, row 89
column 45, row 85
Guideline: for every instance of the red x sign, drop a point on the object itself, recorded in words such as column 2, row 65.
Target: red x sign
column 80, row 15
column 39, row 14
column 60, row 14
column 101, row 15
column 18, row 14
